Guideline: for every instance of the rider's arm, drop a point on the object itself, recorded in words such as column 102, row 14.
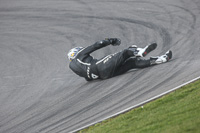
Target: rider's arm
column 100, row 44
column 96, row 46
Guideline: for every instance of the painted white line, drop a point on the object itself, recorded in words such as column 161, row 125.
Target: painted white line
column 137, row 105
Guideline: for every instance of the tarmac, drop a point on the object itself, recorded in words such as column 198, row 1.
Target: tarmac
column 38, row 91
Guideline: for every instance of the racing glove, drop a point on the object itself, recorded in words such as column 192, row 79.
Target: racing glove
column 114, row 41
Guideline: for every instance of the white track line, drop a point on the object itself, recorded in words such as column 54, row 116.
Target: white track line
column 137, row 105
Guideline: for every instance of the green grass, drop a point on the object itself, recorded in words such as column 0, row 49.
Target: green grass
column 177, row 112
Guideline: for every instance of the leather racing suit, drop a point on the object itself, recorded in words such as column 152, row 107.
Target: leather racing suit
column 109, row 66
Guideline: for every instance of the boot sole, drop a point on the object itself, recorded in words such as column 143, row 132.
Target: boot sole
column 169, row 55
column 150, row 48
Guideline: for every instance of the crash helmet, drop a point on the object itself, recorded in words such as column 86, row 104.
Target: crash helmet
column 73, row 52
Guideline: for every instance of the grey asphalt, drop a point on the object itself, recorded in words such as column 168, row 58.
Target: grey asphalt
column 39, row 93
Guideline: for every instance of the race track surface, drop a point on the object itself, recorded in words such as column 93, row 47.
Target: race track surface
column 39, row 93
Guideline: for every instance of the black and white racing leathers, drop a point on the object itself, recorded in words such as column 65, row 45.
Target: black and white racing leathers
column 111, row 65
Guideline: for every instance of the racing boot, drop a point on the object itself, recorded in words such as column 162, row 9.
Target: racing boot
column 141, row 52
column 161, row 59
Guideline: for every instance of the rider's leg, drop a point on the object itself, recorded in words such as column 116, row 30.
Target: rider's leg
column 132, row 63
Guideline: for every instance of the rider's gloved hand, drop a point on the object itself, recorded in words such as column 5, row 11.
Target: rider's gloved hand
column 114, row 41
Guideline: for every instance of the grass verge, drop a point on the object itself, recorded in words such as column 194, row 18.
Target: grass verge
column 177, row 112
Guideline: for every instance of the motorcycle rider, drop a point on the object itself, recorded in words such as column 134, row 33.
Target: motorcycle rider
column 84, row 65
